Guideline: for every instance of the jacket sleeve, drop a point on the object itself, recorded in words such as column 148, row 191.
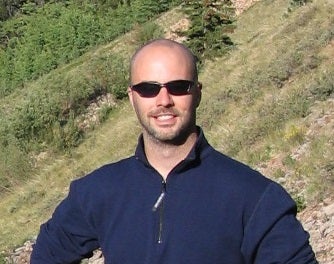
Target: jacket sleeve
column 273, row 234
column 67, row 237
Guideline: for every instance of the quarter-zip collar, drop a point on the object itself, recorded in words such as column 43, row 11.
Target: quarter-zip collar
column 199, row 150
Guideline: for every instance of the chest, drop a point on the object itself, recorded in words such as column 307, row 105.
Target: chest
column 192, row 223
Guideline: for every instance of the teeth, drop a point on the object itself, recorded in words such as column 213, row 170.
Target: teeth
column 164, row 117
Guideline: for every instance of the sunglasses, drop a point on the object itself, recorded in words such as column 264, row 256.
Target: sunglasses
column 152, row 89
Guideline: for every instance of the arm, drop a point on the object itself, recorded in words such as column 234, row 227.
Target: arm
column 273, row 234
column 67, row 237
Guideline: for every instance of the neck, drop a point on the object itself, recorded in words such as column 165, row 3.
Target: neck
column 165, row 156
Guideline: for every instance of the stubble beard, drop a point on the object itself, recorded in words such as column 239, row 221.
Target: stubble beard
column 173, row 135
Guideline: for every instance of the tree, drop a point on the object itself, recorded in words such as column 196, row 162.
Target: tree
column 211, row 21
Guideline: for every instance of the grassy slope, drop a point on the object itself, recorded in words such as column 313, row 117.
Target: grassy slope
column 235, row 112
column 272, row 113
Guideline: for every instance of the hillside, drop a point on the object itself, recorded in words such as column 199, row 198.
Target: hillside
column 269, row 103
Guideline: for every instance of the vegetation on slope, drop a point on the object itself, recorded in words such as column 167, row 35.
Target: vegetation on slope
column 40, row 43
column 260, row 104
column 279, row 76
column 49, row 113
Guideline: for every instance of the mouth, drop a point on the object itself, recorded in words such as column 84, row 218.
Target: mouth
column 164, row 117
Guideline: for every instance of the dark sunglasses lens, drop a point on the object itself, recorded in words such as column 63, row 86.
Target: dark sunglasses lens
column 147, row 89
column 180, row 87
column 151, row 89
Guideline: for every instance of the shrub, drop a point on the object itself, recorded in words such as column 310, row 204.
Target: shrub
column 31, row 120
column 300, row 202
column 293, row 4
column 147, row 32
column 109, row 74
column 210, row 24
column 299, row 2
column 294, row 134
column 50, row 115
column 45, row 38
column 15, row 165
column 323, row 87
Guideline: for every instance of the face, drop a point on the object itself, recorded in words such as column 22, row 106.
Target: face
column 164, row 117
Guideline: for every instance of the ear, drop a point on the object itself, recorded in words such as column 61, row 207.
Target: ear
column 199, row 93
column 130, row 95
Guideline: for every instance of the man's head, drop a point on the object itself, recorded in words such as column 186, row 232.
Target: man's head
column 168, row 44
column 164, row 90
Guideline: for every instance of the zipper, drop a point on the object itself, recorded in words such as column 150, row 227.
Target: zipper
column 160, row 205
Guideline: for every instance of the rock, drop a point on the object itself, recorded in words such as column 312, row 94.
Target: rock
column 329, row 210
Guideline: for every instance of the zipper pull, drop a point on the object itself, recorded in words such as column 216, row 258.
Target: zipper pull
column 160, row 198
column 158, row 202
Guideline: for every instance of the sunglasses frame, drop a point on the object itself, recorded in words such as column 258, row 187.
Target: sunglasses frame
column 149, row 93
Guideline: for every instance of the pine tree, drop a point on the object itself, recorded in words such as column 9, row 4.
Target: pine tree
column 211, row 21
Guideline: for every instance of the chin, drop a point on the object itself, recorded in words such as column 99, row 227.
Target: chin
column 171, row 138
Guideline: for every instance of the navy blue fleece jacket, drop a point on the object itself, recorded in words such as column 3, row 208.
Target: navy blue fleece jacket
column 211, row 210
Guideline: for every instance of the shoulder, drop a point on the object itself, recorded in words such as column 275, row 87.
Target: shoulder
column 232, row 178
column 99, row 187
column 234, row 171
column 107, row 174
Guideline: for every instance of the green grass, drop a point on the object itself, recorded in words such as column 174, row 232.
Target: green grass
column 263, row 96
column 269, row 103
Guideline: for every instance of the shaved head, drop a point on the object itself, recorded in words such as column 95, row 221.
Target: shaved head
column 166, row 117
column 165, row 44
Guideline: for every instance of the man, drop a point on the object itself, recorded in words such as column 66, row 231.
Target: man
column 177, row 200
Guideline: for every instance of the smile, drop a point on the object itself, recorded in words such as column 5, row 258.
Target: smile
column 165, row 117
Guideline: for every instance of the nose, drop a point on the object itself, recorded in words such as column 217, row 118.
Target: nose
column 164, row 98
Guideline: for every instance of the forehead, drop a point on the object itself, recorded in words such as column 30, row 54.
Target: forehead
column 161, row 63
